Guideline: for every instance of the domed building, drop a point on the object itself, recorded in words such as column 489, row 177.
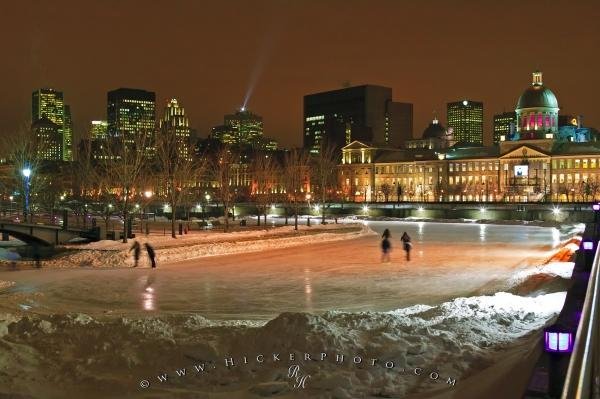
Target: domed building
column 434, row 130
column 435, row 136
column 537, row 111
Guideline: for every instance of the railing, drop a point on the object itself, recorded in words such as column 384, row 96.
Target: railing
column 583, row 376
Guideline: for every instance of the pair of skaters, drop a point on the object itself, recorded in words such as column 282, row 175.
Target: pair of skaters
column 386, row 245
column 137, row 249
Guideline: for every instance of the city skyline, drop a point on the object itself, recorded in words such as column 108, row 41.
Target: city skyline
column 427, row 66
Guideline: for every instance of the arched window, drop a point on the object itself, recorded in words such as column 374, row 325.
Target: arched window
column 531, row 122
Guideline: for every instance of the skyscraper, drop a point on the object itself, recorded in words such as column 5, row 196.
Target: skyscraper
column 67, row 136
column 131, row 112
column 131, row 115
column 466, row 120
column 49, row 104
column 175, row 122
column 365, row 113
column 243, row 128
column 48, row 139
column 503, row 123
column 99, row 130
column 248, row 126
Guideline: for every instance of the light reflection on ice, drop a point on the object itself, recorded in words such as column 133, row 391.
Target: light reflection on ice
column 308, row 289
column 148, row 295
column 482, row 228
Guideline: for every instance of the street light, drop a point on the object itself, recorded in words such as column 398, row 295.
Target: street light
column 11, row 202
column 27, row 174
column 148, row 195
column 207, row 198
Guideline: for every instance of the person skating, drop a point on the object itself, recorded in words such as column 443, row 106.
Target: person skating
column 136, row 248
column 386, row 247
column 151, row 254
column 406, row 244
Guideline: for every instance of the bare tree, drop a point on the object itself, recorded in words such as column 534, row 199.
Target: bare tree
column 85, row 180
column 324, row 171
column 295, row 176
column 25, row 152
column 263, row 182
column 123, row 163
column 177, row 170
column 220, row 169
column 386, row 189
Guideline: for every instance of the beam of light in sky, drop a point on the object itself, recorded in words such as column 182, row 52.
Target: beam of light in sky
column 263, row 56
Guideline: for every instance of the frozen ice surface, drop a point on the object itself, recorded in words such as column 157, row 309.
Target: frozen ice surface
column 450, row 310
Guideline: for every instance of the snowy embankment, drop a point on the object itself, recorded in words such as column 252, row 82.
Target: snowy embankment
column 455, row 340
column 199, row 244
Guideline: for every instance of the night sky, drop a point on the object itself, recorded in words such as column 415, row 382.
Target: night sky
column 209, row 55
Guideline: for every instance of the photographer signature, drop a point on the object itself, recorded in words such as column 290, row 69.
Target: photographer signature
column 300, row 379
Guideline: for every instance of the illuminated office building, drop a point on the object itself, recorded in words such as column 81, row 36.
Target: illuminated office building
column 131, row 112
column 48, row 139
column 67, row 136
column 248, row 127
column 99, row 130
column 504, row 125
column 364, row 113
column 243, row 129
column 465, row 118
column 174, row 121
column 49, row 103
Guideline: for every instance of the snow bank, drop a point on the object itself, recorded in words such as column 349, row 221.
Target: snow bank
column 116, row 254
column 6, row 284
column 453, row 340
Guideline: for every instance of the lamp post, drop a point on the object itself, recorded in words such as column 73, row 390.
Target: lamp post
column 207, row 198
column 308, row 196
column 26, row 174
column 148, row 195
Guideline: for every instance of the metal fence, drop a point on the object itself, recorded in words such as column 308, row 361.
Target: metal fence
column 583, row 375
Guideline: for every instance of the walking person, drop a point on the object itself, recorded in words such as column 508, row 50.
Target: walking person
column 151, row 254
column 386, row 247
column 406, row 244
column 37, row 256
column 137, row 249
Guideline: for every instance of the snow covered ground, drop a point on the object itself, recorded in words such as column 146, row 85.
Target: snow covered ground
column 466, row 308
column 196, row 244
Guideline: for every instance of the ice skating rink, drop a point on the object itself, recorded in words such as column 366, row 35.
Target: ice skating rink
column 448, row 260
column 468, row 307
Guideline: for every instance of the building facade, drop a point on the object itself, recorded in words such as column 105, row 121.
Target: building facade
column 537, row 111
column 174, row 121
column 67, row 136
column 465, row 118
column 244, row 129
column 49, row 103
column 131, row 112
column 48, row 139
column 505, row 124
column 363, row 113
column 533, row 164
column 99, row 130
